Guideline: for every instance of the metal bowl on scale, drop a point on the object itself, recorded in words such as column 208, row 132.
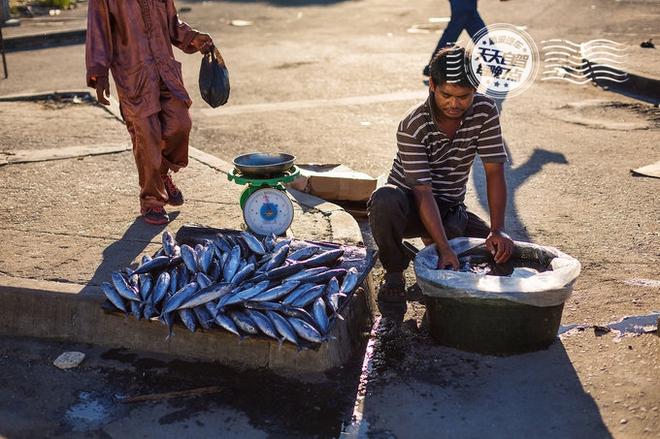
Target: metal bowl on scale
column 260, row 163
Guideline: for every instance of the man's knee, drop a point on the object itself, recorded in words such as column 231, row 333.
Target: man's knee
column 453, row 231
column 386, row 199
column 455, row 222
column 178, row 127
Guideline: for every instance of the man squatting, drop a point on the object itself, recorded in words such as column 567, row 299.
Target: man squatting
column 424, row 196
column 134, row 39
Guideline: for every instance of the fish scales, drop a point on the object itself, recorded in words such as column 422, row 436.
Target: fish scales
column 168, row 243
column 253, row 243
column 275, row 292
column 283, row 327
column 123, row 288
column 324, row 258
column 157, row 264
column 244, row 322
column 231, row 265
column 113, row 296
column 320, row 315
column 189, row 258
column 309, row 296
column 188, row 318
column 304, row 253
column 208, row 294
column 242, row 274
column 225, row 322
column 279, row 256
column 307, row 273
column 306, row 331
column 326, row 275
column 181, row 296
column 299, row 291
column 206, row 258
column 203, row 316
column 161, row 287
column 263, row 323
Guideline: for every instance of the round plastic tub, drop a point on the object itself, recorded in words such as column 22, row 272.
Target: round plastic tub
column 499, row 315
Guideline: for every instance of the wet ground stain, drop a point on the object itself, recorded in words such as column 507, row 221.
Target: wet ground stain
column 90, row 412
column 280, row 406
column 629, row 325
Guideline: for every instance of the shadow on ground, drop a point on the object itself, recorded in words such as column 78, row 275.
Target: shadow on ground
column 515, row 178
column 443, row 392
column 122, row 252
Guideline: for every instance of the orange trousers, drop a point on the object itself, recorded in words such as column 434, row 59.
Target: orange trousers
column 160, row 144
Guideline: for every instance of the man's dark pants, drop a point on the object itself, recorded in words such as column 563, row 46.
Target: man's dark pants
column 393, row 216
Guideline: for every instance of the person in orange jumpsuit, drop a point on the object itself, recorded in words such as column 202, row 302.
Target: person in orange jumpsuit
column 133, row 40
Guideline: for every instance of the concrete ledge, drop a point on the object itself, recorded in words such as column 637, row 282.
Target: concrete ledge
column 636, row 86
column 210, row 160
column 29, row 97
column 342, row 224
column 344, row 227
column 72, row 312
column 313, row 202
column 40, row 155
column 45, row 40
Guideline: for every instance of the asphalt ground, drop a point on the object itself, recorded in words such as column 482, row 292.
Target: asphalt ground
column 352, row 67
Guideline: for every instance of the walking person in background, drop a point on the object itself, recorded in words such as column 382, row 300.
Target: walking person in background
column 464, row 15
column 134, row 40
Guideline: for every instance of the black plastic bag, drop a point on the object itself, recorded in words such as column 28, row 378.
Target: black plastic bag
column 214, row 79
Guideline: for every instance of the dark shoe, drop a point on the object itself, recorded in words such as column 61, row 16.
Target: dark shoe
column 155, row 215
column 414, row 294
column 392, row 297
column 175, row 197
column 427, row 71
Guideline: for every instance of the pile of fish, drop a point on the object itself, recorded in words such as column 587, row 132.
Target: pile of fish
column 240, row 283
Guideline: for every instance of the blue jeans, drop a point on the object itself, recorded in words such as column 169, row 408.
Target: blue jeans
column 464, row 16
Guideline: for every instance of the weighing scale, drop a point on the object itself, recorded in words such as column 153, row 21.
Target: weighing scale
column 266, row 207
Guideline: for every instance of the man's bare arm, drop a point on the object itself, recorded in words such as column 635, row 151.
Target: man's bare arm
column 430, row 216
column 498, row 242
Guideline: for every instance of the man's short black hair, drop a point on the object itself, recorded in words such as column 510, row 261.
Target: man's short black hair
column 450, row 65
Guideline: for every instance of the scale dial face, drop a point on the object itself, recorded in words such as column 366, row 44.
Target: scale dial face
column 268, row 211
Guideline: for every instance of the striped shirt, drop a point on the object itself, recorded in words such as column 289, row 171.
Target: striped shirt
column 427, row 156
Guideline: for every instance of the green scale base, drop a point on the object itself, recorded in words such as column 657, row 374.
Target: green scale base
column 267, row 181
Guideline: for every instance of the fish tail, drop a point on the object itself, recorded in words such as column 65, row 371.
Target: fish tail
column 336, row 314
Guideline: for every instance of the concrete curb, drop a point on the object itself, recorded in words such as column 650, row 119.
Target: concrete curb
column 636, row 86
column 72, row 312
column 45, row 40
column 30, row 97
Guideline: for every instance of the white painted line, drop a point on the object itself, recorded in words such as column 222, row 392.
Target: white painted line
column 316, row 103
column 359, row 427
